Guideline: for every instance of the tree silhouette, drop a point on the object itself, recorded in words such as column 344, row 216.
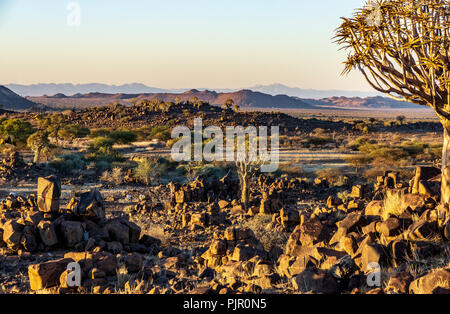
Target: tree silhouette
column 228, row 104
column 401, row 47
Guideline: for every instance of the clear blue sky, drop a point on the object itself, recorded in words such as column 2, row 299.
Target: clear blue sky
column 176, row 43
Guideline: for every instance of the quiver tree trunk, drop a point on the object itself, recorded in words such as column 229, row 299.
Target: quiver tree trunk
column 244, row 191
column 445, row 184
column 37, row 156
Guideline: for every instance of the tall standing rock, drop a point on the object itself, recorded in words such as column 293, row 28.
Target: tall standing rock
column 49, row 193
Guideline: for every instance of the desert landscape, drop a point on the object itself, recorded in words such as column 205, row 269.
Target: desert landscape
column 94, row 201
column 105, row 193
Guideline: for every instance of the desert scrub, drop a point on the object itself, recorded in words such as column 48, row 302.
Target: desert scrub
column 68, row 164
column 73, row 131
column 122, row 136
column 260, row 225
column 194, row 169
column 394, row 205
column 150, row 170
column 101, row 149
column 319, row 141
column 15, row 131
column 333, row 176
column 360, row 141
column 160, row 132
column 115, row 176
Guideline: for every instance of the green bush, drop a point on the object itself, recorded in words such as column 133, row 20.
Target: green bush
column 414, row 148
column 103, row 165
column 149, row 170
column 67, row 164
column 360, row 141
column 122, row 136
column 101, row 149
column 320, row 141
column 161, row 133
column 99, row 133
column 73, row 131
column 15, row 131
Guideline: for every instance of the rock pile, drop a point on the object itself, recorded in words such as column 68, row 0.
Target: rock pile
column 30, row 226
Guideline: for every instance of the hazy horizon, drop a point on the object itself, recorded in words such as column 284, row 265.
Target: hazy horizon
column 177, row 44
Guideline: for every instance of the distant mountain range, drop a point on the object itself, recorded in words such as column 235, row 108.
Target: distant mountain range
column 243, row 98
column 137, row 88
column 280, row 89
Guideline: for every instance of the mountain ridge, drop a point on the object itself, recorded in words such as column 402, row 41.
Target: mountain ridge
column 41, row 89
column 243, row 98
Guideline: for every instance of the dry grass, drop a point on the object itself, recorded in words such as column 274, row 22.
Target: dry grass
column 394, row 204
column 268, row 237
column 114, row 176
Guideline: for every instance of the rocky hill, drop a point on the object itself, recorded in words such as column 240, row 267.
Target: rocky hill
column 11, row 101
column 243, row 98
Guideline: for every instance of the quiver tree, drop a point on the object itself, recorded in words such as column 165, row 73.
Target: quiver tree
column 248, row 162
column 39, row 143
column 401, row 47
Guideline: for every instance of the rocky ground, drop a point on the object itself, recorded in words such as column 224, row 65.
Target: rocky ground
column 295, row 237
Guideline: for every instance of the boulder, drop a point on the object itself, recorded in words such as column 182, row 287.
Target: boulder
column 374, row 208
column 316, row 281
column 12, row 233
column 423, row 174
column 28, row 240
column 373, row 253
column 46, row 275
column 344, row 268
column 118, row 231
column 72, row 232
column 435, row 282
column 89, row 204
column 133, row 262
column 47, row 233
column 218, row 247
column 390, row 227
column 49, row 193
column 353, row 222
column 312, row 232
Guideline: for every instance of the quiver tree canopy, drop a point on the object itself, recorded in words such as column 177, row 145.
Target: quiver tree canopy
column 402, row 49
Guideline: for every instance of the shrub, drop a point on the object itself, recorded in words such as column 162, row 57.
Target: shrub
column 333, row 175
column 355, row 145
column 102, row 165
column 73, row 131
column 320, row 141
column 101, row 149
column 161, row 133
column 115, row 176
column 359, row 161
column 150, row 169
column 394, row 204
column 67, row 164
column 99, row 133
column 122, row 137
column 260, row 226
column 16, row 131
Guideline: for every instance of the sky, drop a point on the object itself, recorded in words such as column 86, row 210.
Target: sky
column 176, row 43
